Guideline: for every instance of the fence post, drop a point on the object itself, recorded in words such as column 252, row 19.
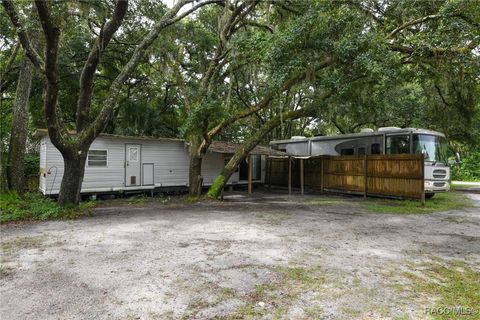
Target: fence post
column 321, row 175
column 365, row 171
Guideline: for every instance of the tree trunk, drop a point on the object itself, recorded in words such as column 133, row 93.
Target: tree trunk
column 19, row 131
column 74, row 168
column 195, row 169
column 198, row 149
column 195, row 175
column 219, row 182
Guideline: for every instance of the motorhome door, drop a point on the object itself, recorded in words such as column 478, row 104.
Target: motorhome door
column 132, row 164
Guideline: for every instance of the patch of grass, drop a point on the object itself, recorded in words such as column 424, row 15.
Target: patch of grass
column 440, row 202
column 274, row 300
column 138, row 200
column 22, row 243
column 352, row 312
column 4, row 271
column 167, row 315
column 275, row 219
column 314, row 312
column 324, row 201
column 451, row 284
column 193, row 199
column 296, row 274
column 228, row 293
column 456, row 186
column 87, row 205
column 398, row 287
column 34, row 206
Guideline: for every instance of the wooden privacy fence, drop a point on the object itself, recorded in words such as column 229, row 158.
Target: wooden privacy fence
column 379, row 175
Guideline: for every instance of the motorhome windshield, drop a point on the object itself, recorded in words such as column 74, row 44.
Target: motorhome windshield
column 434, row 148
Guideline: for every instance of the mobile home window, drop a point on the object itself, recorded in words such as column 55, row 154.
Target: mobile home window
column 397, row 144
column 97, row 158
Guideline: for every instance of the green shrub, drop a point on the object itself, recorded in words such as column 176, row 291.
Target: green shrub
column 34, row 206
column 468, row 169
column 32, row 164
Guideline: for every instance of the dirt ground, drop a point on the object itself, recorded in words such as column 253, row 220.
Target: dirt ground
column 267, row 256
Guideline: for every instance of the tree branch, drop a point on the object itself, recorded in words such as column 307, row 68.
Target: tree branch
column 441, row 95
column 86, row 78
column 31, row 53
column 4, row 84
column 265, row 100
column 10, row 61
column 413, row 22
column 56, row 131
column 111, row 104
column 193, row 9
column 258, row 25
column 252, row 141
column 432, row 52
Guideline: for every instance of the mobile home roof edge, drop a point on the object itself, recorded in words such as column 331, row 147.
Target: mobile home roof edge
column 44, row 132
column 215, row 147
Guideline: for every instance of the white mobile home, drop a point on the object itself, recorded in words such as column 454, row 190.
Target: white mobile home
column 124, row 163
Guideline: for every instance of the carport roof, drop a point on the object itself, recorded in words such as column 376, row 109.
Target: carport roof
column 231, row 148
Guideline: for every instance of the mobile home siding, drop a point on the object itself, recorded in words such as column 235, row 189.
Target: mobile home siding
column 169, row 157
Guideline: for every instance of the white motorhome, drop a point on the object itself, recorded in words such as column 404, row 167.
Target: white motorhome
column 387, row 140
column 125, row 164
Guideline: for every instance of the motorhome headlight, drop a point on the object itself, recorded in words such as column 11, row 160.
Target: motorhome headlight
column 428, row 184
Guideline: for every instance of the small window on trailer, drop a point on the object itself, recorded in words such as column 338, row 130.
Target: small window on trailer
column 97, row 158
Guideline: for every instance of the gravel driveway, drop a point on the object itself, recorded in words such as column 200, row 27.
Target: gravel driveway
column 266, row 256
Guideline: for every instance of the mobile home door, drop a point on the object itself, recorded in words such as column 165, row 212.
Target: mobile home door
column 132, row 164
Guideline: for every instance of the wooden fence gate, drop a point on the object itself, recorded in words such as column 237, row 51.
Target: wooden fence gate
column 399, row 175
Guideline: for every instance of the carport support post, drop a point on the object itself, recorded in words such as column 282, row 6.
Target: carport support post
column 289, row 176
column 301, row 176
column 365, row 177
column 250, row 173
column 321, row 175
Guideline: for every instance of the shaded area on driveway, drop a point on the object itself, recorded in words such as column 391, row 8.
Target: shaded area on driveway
column 260, row 255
